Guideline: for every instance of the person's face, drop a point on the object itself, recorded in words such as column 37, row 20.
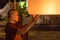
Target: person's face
column 14, row 15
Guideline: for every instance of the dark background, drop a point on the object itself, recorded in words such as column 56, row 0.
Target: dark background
column 4, row 2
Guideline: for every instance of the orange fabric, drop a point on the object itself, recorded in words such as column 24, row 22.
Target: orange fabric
column 18, row 37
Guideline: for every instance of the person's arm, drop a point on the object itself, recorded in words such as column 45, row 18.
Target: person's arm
column 28, row 27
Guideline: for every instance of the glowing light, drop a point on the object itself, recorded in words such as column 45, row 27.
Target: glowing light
column 49, row 8
column 22, row 4
column 44, row 7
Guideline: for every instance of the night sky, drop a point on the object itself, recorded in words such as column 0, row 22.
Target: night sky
column 3, row 3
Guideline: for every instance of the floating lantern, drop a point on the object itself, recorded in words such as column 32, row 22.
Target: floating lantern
column 44, row 7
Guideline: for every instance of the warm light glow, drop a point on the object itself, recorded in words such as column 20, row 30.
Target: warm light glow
column 44, row 7
column 49, row 8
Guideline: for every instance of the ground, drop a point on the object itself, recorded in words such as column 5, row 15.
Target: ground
column 38, row 35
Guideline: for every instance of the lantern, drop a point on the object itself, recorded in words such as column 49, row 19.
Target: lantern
column 44, row 7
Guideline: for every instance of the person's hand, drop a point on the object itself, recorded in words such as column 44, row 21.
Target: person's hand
column 36, row 18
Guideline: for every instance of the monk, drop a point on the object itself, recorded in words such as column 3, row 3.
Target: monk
column 13, row 25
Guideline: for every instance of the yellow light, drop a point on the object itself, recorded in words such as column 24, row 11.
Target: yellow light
column 44, row 7
column 49, row 8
